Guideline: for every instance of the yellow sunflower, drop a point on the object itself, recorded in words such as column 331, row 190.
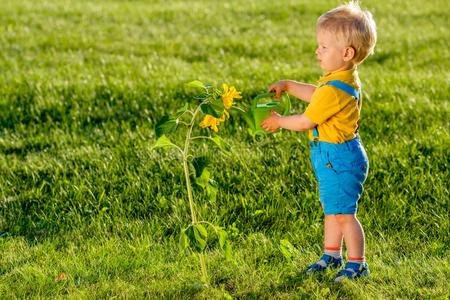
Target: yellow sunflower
column 210, row 121
column 229, row 93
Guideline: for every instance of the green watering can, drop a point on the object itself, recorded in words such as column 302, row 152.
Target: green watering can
column 258, row 112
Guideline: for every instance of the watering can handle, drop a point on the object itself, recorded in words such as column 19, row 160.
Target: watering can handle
column 261, row 96
column 264, row 95
column 287, row 105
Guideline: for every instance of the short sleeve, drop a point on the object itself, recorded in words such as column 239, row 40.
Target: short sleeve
column 324, row 104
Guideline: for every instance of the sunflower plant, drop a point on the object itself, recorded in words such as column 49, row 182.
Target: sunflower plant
column 213, row 106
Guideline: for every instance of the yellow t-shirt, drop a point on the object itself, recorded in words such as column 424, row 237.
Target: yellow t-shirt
column 335, row 112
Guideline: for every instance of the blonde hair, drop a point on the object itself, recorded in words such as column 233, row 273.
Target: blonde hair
column 354, row 25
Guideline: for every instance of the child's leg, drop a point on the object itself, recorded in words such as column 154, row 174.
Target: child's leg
column 332, row 234
column 354, row 241
column 332, row 256
column 353, row 236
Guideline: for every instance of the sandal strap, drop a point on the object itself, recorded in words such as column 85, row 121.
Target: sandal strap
column 324, row 261
column 351, row 270
column 350, row 273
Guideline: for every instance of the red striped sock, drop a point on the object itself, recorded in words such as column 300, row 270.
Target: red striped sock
column 333, row 251
column 359, row 260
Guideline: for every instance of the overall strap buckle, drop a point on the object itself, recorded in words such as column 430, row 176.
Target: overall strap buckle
column 315, row 135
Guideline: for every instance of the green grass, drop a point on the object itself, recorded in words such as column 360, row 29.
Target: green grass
column 82, row 84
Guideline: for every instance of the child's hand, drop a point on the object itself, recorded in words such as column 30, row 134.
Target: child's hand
column 271, row 124
column 278, row 88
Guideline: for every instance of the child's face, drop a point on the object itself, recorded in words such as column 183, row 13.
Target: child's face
column 330, row 52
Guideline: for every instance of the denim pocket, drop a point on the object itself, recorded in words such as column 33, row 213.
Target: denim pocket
column 360, row 167
column 352, row 161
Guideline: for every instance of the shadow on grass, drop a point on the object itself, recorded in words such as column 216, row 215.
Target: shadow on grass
column 23, row 150
column 191, row 290
column 298, row 284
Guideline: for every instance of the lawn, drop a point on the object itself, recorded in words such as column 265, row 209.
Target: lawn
column 89, row 210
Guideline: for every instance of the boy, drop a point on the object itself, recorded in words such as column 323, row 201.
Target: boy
column 346, row 35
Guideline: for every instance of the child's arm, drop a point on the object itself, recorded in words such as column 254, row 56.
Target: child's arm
column 294, row 122
column 300, row 90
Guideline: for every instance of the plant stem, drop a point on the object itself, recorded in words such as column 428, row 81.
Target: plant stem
column 186, row 167
column 203, row 268
column 189, row 189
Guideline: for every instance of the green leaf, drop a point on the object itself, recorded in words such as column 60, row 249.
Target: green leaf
column 217, row 105
column 196, row 84
column 192, row 239
column 200, row 164
column 163, row 141
column 202, row 230
column 203, row 179
column 201, row 97
column 211, row 191
column 207, row 184
column 223, row 235
column 166, row 125
column 183, row 242
column 182, row 110
column 287, row 249
column 208, row 109
column 200, row 236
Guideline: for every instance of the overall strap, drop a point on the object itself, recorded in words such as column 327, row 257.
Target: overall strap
column 343, row 87
column 315, row 134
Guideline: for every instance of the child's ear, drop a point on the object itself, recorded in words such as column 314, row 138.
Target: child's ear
column 349, row 53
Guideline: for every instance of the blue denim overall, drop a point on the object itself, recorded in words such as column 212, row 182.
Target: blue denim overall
column 340, row 169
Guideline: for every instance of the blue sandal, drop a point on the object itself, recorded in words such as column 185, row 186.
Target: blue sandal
column 353, row 270
column 326, row 261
